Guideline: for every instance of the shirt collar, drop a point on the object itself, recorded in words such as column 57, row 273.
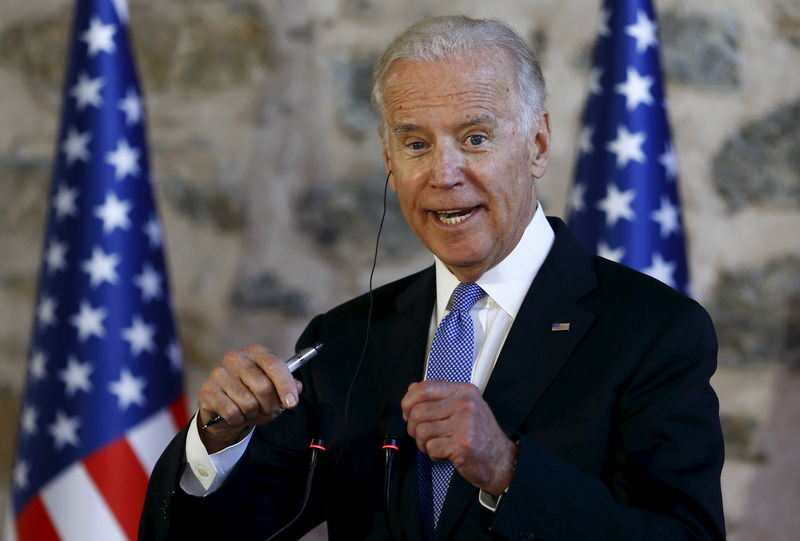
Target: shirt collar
column 508, row 282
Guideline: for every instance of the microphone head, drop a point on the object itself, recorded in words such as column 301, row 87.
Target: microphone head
column 391, row 423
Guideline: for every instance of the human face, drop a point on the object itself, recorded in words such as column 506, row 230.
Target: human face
column 462, row 169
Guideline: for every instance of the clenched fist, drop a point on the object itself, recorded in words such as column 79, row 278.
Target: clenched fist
column 251, row 387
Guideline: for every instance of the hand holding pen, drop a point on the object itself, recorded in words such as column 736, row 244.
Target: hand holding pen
column 251, row 386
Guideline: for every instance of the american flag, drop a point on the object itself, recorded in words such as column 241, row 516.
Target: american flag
column 624, row 204
column 104, row 392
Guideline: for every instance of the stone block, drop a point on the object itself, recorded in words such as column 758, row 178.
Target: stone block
column 740, row 438
column 354, row 114
column 266, row 291
column 200, row 46
column 757, row 314
column 348, row 212
column 36, row 48
column 699, row 50
column 760, row 165
column 23, row 192
column 786, row 17
column 214, row 202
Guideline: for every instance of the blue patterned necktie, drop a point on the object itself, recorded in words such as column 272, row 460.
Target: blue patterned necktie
column 450, row 360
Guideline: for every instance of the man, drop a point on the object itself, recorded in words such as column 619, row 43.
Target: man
column 586, row 412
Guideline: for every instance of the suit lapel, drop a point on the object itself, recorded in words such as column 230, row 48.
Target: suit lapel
column 533, row 354
column 401, row 333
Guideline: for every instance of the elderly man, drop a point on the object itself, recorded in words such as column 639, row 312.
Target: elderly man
column 546, row 393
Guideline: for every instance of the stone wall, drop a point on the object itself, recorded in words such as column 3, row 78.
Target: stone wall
column 269, row 180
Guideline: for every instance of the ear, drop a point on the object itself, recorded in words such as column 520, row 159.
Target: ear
column 387, row 163
column 540, row 146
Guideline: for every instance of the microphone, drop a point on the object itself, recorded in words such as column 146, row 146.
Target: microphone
column 393, row 428
column 322, row 423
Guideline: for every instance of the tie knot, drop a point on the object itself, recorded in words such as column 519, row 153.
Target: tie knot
column 464, row 296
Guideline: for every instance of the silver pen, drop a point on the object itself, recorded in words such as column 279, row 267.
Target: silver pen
column 294, row 362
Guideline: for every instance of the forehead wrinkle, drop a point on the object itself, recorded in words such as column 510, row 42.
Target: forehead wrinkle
column 477, row 94
column 479, row 109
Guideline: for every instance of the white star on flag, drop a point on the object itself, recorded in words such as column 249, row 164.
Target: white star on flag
column 124, row 158
column 46, row 311
column 99, row 37
column 153, row 231
column 76, row 376
column 149, row 281
column 36, row 365
column 64, row 430
column 128, row 389
column 21, row 471
column 616, row 205
column 576, row 197
column 614, row 254
column 64, row 201
column 670, row 161
column 101, row 267
column 174, row 354
column 636, row 90
column 140, row 336
column 89, row 321
column 644, row 32
column 131, row 105
column 55, row 256
column 76, row 146
column 585, row 139
column 87, row 91
column 28, row 421
column 627, row 146
column 114, row 213
column 661, row 270
column 667, row 217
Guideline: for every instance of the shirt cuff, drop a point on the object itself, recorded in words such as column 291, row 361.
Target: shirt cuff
column 489, row 500
column 207, row 472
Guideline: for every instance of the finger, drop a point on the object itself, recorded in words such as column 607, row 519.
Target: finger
column 249, row 387
column 278, row 372
column 424, row 432
column 217, row 397
column 260, row 386
column 417, row 392
column 429, row 411
column 439, row 449
column 430, row 390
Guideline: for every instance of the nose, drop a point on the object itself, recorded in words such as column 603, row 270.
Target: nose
column 447, row 167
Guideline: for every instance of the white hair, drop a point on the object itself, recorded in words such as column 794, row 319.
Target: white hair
column 440, row 38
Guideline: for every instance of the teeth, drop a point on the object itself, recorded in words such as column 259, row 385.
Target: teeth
column 452, row 217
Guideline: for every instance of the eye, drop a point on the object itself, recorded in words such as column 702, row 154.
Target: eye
column 476, row 140
column 416, row 145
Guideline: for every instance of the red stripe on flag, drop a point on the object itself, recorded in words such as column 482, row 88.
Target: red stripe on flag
column 178, row 411
column 121, row 480
column 34, row 524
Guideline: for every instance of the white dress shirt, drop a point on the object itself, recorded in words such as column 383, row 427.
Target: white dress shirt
column 505, row 284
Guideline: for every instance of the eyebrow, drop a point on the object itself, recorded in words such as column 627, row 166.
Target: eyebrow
column 476, row 120
column 405, row 128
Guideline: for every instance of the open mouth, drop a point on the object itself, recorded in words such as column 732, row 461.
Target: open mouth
column 453, row 217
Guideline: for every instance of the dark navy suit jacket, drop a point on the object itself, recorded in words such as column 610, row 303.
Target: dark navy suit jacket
column 617, row 424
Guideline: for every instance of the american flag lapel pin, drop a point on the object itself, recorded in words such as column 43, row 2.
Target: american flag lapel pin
column 560, row 327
